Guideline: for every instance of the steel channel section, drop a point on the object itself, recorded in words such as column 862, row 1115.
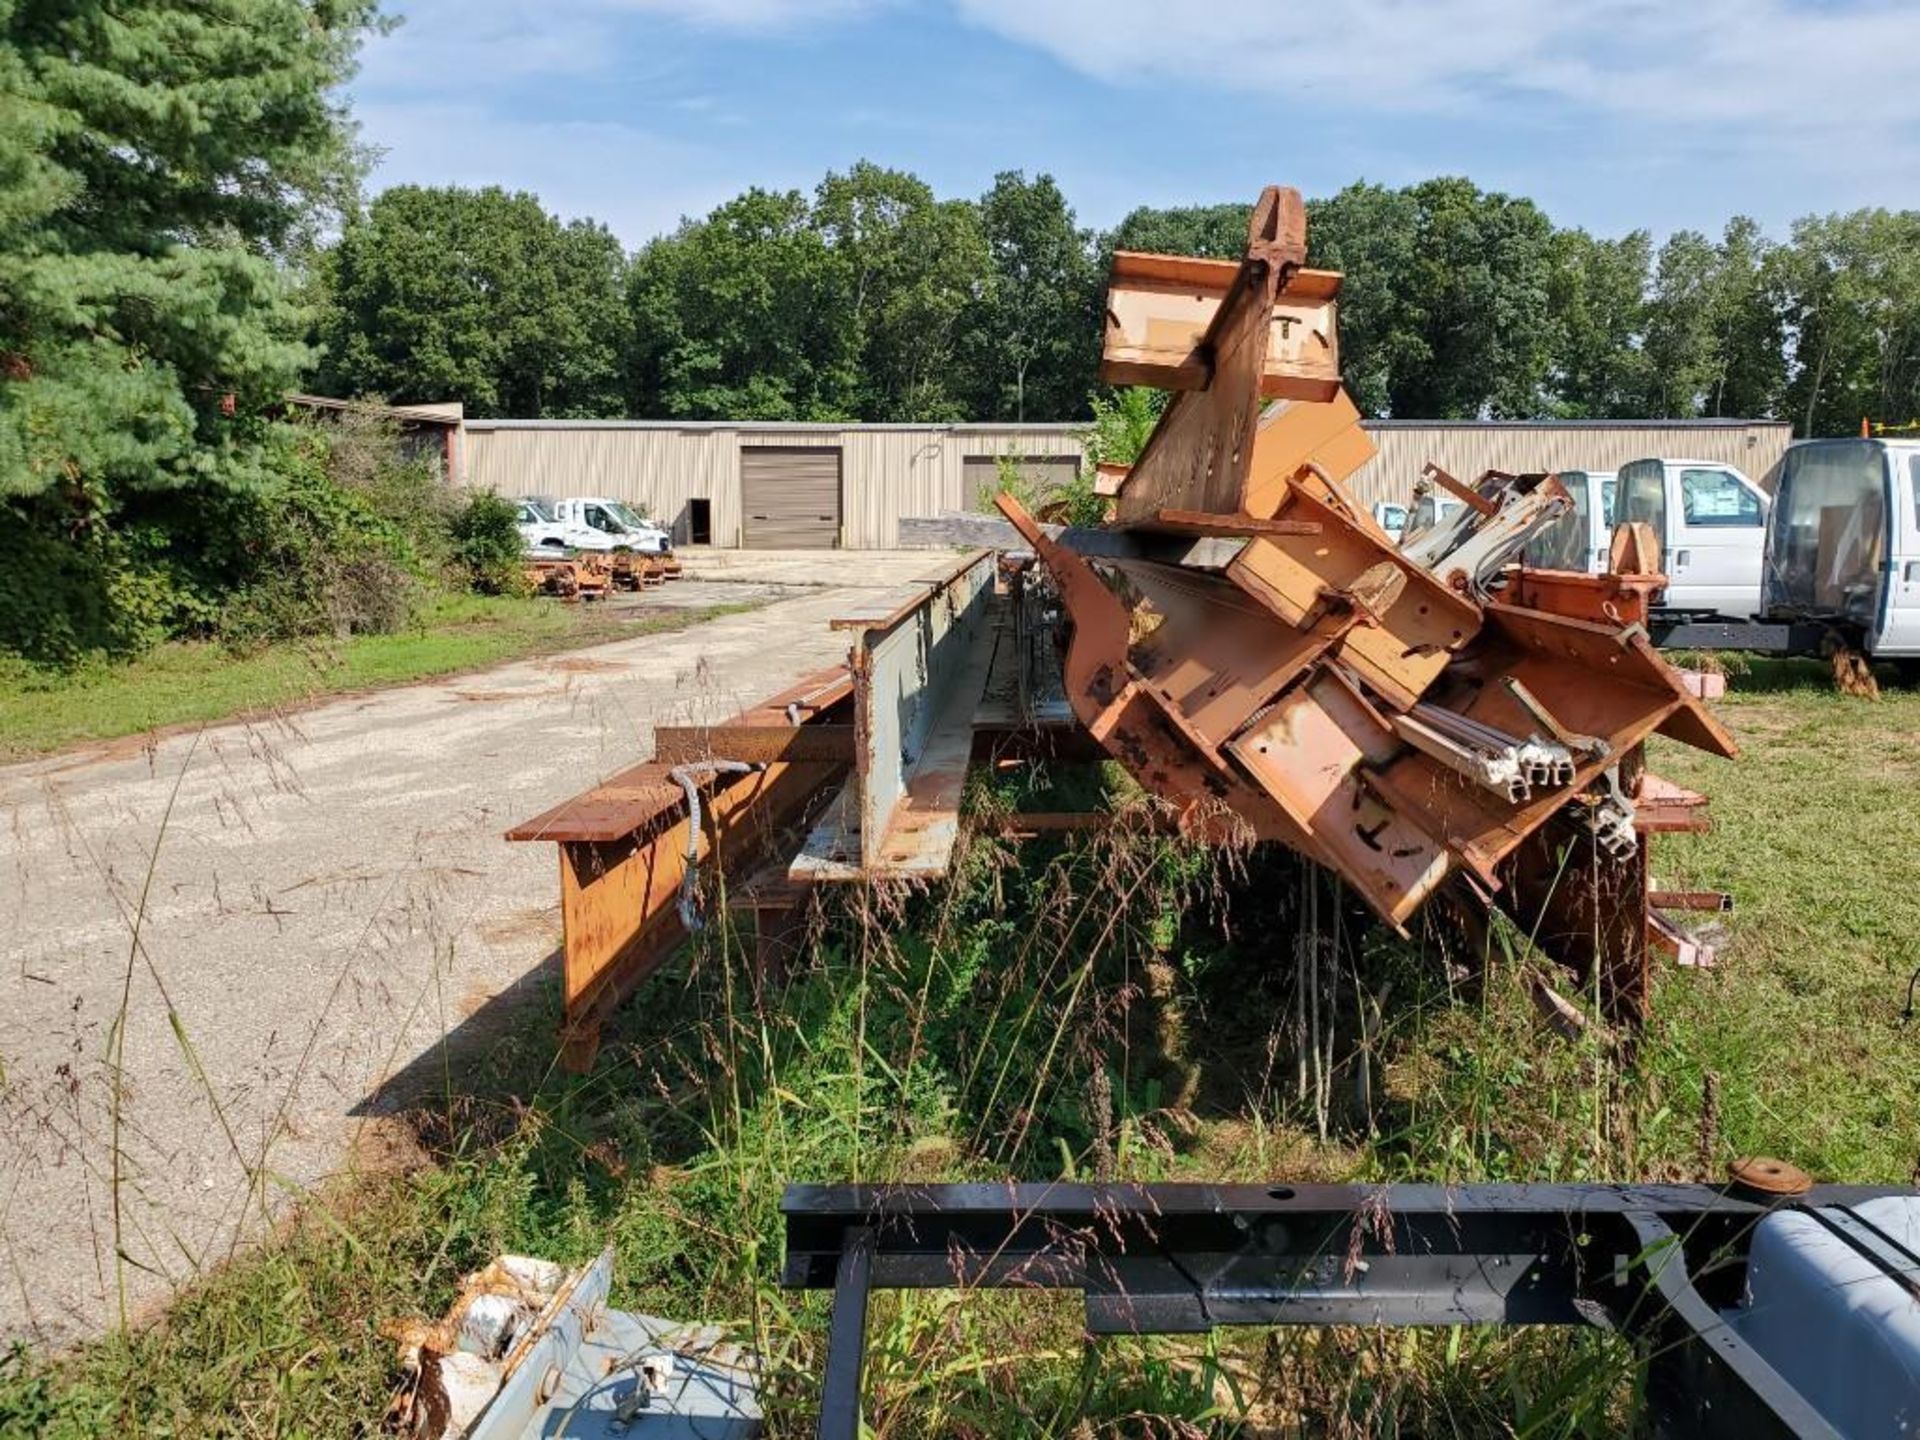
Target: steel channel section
column 905, row 672
column 1180, row 1258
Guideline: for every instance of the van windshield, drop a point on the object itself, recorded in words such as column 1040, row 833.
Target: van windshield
column 1643, row 497
column 1828, row 537
column 629, row 517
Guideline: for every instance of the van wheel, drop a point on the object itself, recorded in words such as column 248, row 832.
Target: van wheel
column 1908, row 672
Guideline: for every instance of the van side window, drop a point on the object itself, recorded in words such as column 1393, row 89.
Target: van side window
column 1713, row 499
column 1913, row 484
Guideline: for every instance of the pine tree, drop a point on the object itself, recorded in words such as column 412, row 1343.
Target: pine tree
column 161, row 161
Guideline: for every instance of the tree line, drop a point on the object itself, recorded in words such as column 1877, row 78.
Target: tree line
column 874, row 299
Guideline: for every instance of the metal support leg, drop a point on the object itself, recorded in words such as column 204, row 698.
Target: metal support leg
column 847, row 1339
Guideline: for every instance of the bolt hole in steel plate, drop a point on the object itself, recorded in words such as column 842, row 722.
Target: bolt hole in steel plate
column 1764, row 1175
column 1281, row 1192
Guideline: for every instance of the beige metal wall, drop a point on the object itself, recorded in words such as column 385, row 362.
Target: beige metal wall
column 659, row 468
column 1467, row 450
column 886, row 472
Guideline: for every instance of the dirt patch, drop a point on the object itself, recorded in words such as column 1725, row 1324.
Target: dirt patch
column 493, row 697
column 386, row 1145
column 574, row 665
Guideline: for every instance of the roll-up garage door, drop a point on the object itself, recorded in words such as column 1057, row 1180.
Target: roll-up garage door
column 789, row 498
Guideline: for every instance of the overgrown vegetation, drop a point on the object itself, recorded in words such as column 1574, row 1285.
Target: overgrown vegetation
column 347, row 532
column 166, row 170
column 1121, row 1007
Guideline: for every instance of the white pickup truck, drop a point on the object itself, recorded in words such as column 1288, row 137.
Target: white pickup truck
column 1711, row 522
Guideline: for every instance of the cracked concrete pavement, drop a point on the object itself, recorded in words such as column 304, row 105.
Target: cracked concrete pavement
column 319, row 898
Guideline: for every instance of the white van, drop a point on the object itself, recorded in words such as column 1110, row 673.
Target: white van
column 1711, row 522
column 540, row 532
column 592, row 522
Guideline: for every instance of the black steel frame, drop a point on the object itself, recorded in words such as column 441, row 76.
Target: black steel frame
column 1656, row 1262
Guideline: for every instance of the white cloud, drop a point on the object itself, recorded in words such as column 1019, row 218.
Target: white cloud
column 1832, row 84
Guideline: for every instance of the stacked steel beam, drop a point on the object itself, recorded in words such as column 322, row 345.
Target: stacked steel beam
column 1421, row 720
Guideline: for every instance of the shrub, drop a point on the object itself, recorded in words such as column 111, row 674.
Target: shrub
column 322, row 560
column 78, row 584
column 486, row 539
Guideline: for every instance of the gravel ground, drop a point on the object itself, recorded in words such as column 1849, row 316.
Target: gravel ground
column 318, row 899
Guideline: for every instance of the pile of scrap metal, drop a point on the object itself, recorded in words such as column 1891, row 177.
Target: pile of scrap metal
column 530, row 1349
column 568, row 577
column 591, row 574
column 1439, row 724
column 1435, row 721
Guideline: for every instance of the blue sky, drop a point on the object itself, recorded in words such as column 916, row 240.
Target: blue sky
column 1612, row 114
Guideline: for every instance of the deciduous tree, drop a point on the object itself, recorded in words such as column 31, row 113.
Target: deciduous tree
column 1033, row 334
column 744, row 316
column 443, row 293
column 910, row 264
column 1596, row 296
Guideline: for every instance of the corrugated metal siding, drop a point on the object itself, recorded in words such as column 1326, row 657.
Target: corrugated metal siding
column 886, row 472
column 658, row 469
column 892, row 471
column 1468, row 451
column 1044, row 475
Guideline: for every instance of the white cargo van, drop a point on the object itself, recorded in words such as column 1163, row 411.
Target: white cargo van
column 1711, row 523
column 596, row 523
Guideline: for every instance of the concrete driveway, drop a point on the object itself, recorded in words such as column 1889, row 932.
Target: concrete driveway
column 317, row 899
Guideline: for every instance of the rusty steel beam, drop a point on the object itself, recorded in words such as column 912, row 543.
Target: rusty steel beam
column 623, row 852
column 1198, row 522
column 1716, row 900
column 919, row 664
column 758, row 744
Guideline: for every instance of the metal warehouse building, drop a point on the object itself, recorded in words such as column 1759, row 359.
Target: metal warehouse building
column 768, row 485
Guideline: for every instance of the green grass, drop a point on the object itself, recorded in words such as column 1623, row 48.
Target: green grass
column 1074, row 1010
column 185, row 683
